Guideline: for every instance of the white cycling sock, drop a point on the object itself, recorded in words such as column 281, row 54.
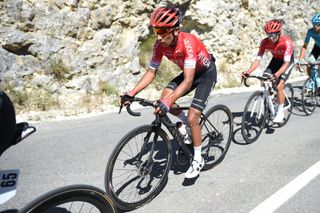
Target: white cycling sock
column 182, row 116
column 197, row 153
column 280, row 107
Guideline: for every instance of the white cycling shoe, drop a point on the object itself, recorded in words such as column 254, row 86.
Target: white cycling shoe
column 194, row 169
column 279, row 117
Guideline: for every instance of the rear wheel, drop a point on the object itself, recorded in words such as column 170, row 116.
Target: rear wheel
column 309, row 95
column 254, row 117
column 217, row 130
column 76, row 198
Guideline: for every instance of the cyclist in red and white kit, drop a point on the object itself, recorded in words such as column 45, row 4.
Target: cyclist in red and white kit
column 198, row 72
column 279, row 68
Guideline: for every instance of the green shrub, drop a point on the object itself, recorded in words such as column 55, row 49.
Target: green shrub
column 41, row 99
column 146, row 48
column 106, row 88
column 59, row 70
column 26, row 99
column 167, row 71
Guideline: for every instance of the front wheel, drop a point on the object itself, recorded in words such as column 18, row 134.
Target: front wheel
column 309, row 95
column 217, row 129
column 254, row 117
column 76, row 198
column 138, row 167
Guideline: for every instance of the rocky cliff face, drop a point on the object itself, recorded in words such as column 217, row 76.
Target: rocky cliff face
column 77, row 55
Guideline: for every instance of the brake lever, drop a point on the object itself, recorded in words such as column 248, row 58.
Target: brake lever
column 241, row 82
column 120, row 108
column 124, row 98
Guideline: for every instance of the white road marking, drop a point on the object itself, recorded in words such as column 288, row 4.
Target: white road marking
column 289, row 190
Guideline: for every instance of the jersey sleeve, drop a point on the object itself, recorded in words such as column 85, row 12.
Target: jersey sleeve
column 308, row 36
column 262, row 50
column 289, row 50
column 156, row 57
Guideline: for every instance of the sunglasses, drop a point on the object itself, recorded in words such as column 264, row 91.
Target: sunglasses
column 163, row 32
column 273, row 35
column 316, row 24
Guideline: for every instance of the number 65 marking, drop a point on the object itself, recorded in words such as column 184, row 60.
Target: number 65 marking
column 9, row 180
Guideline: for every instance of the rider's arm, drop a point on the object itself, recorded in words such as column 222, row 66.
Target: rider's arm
column 185, row 85
column 253, row 66
column 305, row 44
column 145, row 80
column 150, row 74
column 260, row 54
column 303, row 51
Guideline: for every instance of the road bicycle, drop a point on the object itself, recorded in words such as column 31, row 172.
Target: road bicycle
column 138, row 167
column 71, row 199
column 261, row 108
column 310, row 93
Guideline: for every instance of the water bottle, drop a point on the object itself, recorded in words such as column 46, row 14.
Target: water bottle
column 184, row 132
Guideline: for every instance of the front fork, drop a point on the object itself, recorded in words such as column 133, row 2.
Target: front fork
column 146, row 167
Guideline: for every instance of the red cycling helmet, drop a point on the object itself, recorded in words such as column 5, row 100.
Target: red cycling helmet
column 165, row 17
column 273, row 26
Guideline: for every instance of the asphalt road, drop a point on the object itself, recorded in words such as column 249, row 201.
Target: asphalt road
column 69, row 152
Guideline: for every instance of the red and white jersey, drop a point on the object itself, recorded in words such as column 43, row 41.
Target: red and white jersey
column 189, row 52
column 282, row 50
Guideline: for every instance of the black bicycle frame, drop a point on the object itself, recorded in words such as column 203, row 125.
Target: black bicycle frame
column 172, row 128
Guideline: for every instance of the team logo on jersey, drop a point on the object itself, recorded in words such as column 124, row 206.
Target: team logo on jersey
column 188, row 46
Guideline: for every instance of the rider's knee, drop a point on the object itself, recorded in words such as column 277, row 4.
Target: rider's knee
column 193, row 116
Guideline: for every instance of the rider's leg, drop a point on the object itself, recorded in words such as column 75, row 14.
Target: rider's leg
column 203, row 84
column 281, row 99
column 309, row 70
column 281, row 96
column 280, row 87
column 193, row 120
column 198, row 161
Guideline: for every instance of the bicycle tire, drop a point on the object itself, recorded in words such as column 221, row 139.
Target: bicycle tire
column 251, row 124
column 309, row 98
column 52, row 201
column 139, row 194
column 287, row 112
column 217, row 131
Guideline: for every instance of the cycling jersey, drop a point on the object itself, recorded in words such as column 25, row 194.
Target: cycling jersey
column 189, row 52
column 281, row 50
column 311, row 33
